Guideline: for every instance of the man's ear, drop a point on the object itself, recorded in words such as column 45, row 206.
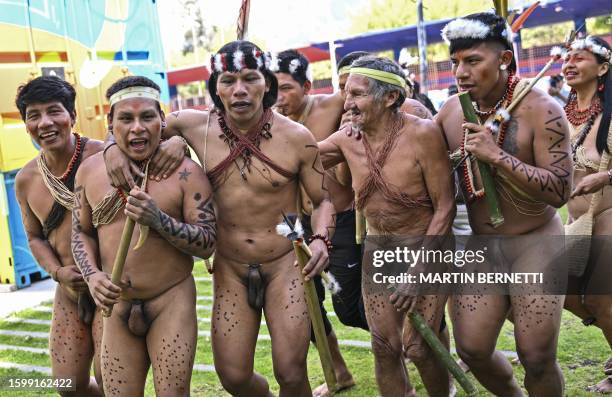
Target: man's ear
column 162, row 115
column 392, row 97
column 506, row 58
column 307, row 87
column 73, row 118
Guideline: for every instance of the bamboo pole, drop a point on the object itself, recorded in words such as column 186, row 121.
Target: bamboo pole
column 122, row 251
column 124, row 243
column 495, row 215
column 360, row 226
column 316, row 318
column 441, row 353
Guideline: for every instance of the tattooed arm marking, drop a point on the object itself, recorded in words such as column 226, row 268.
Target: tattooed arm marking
column 547, row 180
column 197, row 238
column 184, row 175
column 84, row 244
column 196, row 233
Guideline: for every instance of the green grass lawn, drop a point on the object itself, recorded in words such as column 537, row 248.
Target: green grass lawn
column 582, row 352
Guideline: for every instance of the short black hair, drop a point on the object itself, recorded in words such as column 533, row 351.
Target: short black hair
column 131, row 81
column 499, row 34
column 297, row 69
column 269, row 98
column 348, row 59
column 46, row 89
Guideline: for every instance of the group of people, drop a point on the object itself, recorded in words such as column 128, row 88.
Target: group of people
column 270, row 148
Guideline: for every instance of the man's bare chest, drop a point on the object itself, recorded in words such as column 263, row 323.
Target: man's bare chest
column 261, row 167
column 39, row 199
column 400, row 168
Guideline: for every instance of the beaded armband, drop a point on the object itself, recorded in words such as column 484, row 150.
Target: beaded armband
column 321, row 237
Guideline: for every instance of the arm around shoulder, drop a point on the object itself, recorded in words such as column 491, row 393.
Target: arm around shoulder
column 196, row 232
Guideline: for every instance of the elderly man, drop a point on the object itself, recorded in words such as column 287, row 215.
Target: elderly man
column 401, row 179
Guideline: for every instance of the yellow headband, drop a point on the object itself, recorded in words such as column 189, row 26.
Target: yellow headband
column 344, row 70
column 134, row 92
column 387, row 77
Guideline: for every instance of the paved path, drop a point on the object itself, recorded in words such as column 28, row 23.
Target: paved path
column 28, row 297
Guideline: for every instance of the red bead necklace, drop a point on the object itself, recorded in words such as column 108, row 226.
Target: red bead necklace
column 73, row 160
column 468, row 177
column 580, row 116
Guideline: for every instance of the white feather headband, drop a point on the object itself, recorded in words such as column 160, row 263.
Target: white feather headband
column 557, row 52
column 273, row 63
column 590, row 45
column 238, row 60
column 461, row 28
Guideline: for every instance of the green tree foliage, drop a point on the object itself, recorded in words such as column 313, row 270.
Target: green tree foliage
column 542, row 35
column 387, row 14
column 600, row 25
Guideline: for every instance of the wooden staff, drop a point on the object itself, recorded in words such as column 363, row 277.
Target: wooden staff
column 295, row 232
column 124, row 244
column 242, row 25
column 122, row 251
column 312, row 301
column 360, row 224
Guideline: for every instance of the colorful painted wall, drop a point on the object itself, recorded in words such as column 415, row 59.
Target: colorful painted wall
column 90, row 43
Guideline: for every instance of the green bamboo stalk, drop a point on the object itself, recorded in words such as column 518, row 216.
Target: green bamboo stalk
column 441, row 353
column 495, row 215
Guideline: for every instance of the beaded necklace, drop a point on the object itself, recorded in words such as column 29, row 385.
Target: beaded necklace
column 468, row 175
column 73, row 160
column 580, row 116
column 57, row 185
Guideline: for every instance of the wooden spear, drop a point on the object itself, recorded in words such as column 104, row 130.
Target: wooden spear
column 124, row 244
column 294, row 233
column 242, row 25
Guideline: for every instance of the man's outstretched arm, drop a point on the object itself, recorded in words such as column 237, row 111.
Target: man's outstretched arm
column 330, row 151
column 312, row 177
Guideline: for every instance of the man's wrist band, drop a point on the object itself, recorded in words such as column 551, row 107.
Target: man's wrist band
column 323, row 238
